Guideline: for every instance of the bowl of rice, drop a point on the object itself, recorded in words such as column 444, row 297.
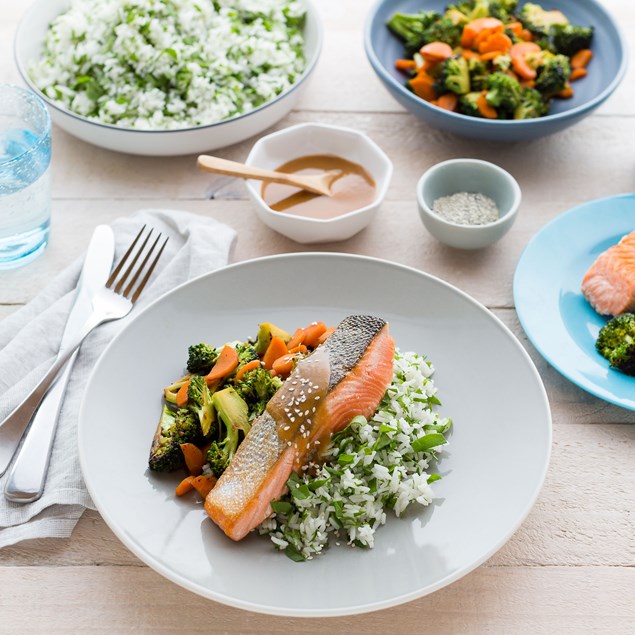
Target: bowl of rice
column 168, row 77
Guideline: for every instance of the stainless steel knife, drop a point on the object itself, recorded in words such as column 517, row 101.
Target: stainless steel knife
column 26, row 479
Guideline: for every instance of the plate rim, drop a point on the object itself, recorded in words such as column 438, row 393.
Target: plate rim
column 563, row 217
column 358, row 609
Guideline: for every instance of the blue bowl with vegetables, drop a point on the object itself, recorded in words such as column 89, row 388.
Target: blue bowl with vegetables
column 504, row 70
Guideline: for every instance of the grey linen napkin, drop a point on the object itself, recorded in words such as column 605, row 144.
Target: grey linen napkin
column 30, row 338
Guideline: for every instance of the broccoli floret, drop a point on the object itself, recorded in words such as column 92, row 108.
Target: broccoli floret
column 200, row 358
column 455, row 16
column 411, row 28
column 616, row 342
column 478, row 74
column 503, row 9
column 503, row 92
column 539, row 21
column 502, row 62
column 472, row 9
column 174, row 428
column 246, row 353
column 532, row 105
column 220, row 453
column 570, row 39
column 199, row 402
column 257, row 387
column 454, row 76
column 553, row 74
column 468, row 104
column 443, row 30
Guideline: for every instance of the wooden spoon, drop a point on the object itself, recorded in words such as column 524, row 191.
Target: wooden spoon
column 318, row 183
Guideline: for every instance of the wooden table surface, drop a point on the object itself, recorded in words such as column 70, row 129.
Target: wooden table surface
column 568, row 569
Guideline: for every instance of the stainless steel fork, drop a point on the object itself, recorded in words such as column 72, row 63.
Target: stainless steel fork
column 112, row 302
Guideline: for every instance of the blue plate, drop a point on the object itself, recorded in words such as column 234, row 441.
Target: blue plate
column 555, row 315
column 606, row 71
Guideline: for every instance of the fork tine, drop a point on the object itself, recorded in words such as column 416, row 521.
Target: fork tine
column 127, row 272
column 141, row 267
column 115, row 273
column 142, row 284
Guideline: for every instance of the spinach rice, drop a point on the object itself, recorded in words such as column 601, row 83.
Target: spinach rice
column 170, row 64
column 371, row 466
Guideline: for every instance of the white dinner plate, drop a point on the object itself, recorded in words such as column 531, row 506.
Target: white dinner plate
column 492, row 469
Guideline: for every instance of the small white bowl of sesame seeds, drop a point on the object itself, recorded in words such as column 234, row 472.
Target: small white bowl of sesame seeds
column 467, row 203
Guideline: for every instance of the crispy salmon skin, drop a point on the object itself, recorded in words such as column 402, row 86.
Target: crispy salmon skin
column 609, row 284
column 346, row 376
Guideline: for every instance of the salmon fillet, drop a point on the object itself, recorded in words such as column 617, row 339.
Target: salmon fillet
column 609, row 284
column 345, row 377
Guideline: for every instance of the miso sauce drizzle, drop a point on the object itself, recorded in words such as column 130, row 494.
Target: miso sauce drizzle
column 354, row 189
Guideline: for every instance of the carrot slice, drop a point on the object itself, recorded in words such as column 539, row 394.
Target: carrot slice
column 423, row 86
column 240, row 373
column 296, row 340
column 325, row 335
column 193, row 458
column 405, row 65
column 489, row 112
column 225, row 364
column 449, row 101
column 491, row 55
column 581, row 58
column 578, row 73
column 522, row 48
column 284, row 364
column 184, row 486
column 473, row 28
column 565, row 93
column 515, row 27
column 470, row 55
column 277, row 348
column 436, row 51
column 519, row 61
column 204, row 484
column 526, row 35
column 181, row 395
column 312, row 334
column 299, row 349
column 527, row 83
column 495, row 42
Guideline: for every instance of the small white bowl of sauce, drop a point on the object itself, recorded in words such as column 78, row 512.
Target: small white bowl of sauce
column 313, row 149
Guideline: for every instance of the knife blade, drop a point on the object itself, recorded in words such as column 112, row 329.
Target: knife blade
column 25, row 482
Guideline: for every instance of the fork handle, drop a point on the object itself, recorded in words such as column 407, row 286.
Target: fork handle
column 25, row 482
column 13, row 427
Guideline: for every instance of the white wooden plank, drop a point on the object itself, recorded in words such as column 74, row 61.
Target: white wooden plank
column 491, row 600
column 574, row 164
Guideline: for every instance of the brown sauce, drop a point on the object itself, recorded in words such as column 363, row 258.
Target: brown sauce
column 354, row 189
column 295, row 404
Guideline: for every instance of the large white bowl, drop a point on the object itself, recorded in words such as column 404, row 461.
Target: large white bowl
column 28, row 46
column 312, row 138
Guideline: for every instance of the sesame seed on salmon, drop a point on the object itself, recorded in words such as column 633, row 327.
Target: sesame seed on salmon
column 609, row 284
column 346, row 376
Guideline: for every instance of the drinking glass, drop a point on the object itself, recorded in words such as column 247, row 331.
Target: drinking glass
column 25, row 191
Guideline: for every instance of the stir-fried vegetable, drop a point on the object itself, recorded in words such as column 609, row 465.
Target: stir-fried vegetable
column 492, row 59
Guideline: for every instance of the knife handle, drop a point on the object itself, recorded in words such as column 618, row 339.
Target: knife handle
column 26, row 479
column 14, row 426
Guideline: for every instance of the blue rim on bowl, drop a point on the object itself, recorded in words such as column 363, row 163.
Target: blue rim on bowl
column 489, row 128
